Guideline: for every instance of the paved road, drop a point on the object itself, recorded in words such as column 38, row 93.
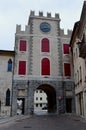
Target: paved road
column 46, row 122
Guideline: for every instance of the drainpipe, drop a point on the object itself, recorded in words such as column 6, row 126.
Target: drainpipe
column 63, row 87
column 12, row 85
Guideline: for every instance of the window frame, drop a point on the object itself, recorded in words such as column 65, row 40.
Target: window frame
column 66, row 51
column 42, row 73
column 21, row 49
column 9, row 67
column 7, row 97
column 66, row 68
column 43, row 50
column 20, row 66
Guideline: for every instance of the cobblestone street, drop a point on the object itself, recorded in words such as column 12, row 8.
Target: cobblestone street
column 46, row 122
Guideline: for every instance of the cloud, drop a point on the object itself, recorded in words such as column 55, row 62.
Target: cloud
column 17, row 12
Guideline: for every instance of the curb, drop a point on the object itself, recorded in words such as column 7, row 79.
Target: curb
column 14, row 118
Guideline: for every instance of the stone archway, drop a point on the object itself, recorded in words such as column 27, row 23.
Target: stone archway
column 51, row 97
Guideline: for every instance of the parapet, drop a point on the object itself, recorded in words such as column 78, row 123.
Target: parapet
column 69, row 33
column 32, row 13
column 48, row 15
column 56, row 15
column 40, row 14
column 19, row 30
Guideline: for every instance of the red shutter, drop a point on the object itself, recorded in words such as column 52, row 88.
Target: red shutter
column 22, row 45
column 45, row 45
column 45, row 66
column 66, row 48
column 67, row 70
column 22, row 68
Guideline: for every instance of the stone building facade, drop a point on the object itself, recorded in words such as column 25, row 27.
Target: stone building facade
column 6, row 75
column 40, row 101
column 78, row 46
column 43, row 61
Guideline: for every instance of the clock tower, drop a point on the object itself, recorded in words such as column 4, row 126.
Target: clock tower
column 42, row 61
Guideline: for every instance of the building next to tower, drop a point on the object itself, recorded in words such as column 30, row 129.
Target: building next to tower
column 6, row 76
column 78, row 47
column 41, row 60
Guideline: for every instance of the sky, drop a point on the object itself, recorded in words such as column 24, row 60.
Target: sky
column 13, row 12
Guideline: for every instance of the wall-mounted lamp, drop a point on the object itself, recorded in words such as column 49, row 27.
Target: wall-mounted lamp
column 28, row 82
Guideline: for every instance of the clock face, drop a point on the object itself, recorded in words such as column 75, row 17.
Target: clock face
column 45, row 27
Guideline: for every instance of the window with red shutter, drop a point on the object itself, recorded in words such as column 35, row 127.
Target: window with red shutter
column 22, row 45
column 67, row 69
column 45, row 70
column 66, row 48
column 22, row 68
column 45, row 45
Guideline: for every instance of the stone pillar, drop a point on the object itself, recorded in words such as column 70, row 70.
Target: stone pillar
column 84, row 104
column 60, row 97
column 73, row 98
column 26, row 102
column 57, row 103
column 31, row 98
column 78, row 104
column 14, row 103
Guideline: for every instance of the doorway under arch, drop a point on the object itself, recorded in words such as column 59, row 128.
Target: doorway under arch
column 51, row 97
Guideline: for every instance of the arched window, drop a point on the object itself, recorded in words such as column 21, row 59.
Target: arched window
column 8, row 97
column 45, row 45
column 9, row 65
column 80, row 74
column 45, row 67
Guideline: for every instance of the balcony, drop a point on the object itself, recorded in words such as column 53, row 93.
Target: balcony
column 82, row 47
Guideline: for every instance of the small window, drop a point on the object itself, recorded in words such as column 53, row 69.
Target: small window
column 22, row 45
column 36, row 91
column 76, row 53
column 41, row 105
column 36, row 98
column 45, row 66
column 37, row 105
column 22, row 68
column 45, row 45
column 67, row 70
column 66, row 48
column 8, row 97
column 80, row 74
column 40, row 91
column 9, row 65
column 40, row 98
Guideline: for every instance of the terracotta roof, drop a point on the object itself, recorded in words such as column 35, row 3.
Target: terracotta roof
column 7, row 52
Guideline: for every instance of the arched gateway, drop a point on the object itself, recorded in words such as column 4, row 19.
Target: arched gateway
column 23, row 92
column 51, row 97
